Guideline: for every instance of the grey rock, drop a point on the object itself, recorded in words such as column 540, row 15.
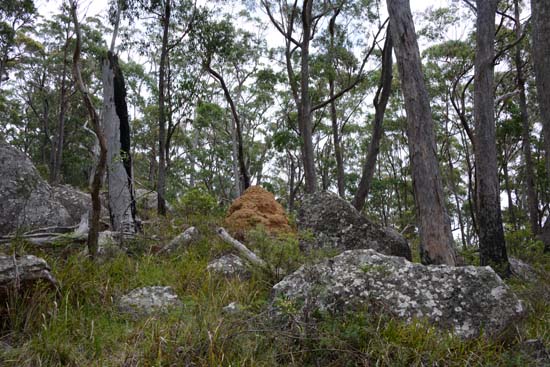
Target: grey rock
column 26, row 200
column 23, row 272
column 464, row 300
column 148, row 200
column 230, row 266
column 108, row 246
column 522, row 270
column 336, row 224
column 149, row 301
column 76, row 202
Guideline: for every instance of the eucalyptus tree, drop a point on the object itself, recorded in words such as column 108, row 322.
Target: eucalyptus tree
column 225, row 47
column 434, row 224
column 491, row 233
column 172, row 20
column 299, row 24
column 380, row 102
column 540, row 13
column 16, row 18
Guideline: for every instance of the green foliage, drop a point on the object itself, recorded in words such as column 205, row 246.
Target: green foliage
column 197, row 202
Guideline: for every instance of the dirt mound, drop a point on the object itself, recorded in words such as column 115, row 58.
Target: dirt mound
column 256, row 207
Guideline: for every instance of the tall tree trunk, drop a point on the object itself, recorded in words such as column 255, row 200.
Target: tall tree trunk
column 436, row 240
column 492, row 247
column 333, row 114
column 122, row 206
column 454, row 186
column 161, row 177
column 243, row 171
column 57, row 153
column 94, row 117
column 532, row 202
column 540, row 16
column 380, row 102
column 304, row 113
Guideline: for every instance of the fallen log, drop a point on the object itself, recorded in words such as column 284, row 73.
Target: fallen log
column 243, row 250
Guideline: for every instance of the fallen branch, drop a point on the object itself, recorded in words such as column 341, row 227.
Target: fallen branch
column 243, row 250
column 188, row 236
column 49, row 235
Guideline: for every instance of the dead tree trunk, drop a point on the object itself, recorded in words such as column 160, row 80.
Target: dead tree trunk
column 122, row 206
column 436, row 240
column 492, row 247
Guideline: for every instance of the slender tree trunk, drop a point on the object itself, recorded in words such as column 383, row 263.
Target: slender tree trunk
column 291, row 184
column 436, row 240
column 508, row 189
column 235, row 155
column 100, row 170
column 244, row 176
column 122, row 207
column 161, row 177
column 492, row 247
column 532, row 202
column 152, row 166
column 333, row 113
column 57, row 153
column 304, row 113
column 380, row 102
column 454, row 188
column 540, row 17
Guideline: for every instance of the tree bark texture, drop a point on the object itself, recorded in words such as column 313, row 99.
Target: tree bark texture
column 161, row 177
column 540, row 18
column 122, row 206
column 304, row 113
column 380, row 102
column 436, row 240
column 492, row 247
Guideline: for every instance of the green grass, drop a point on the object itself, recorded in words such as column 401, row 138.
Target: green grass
column 81, row 325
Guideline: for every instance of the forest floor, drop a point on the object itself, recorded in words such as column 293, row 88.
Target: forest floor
column 82, row 326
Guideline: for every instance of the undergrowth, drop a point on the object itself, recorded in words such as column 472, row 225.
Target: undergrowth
column 81, row 325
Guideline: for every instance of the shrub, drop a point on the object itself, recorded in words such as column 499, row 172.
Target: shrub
column 196, row 201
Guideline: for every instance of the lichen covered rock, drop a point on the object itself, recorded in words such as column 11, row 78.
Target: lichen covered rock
column 26, row 200
column 22, row 273
column 76, row 202
column 464, row 300
column 522, row 270
column 256, row 207
column 149, row 301
column 336, row 224
column 229, row 266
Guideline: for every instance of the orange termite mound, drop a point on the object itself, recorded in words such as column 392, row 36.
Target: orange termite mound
column 256, row 207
